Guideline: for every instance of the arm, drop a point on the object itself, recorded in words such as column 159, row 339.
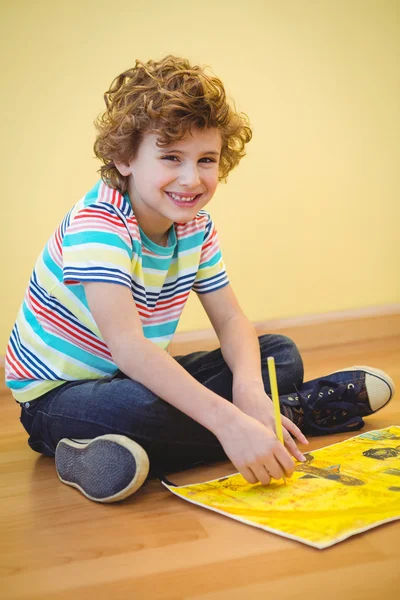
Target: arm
column 239, row 342
column 241, row 351
column 115, row 313
column 252, row 447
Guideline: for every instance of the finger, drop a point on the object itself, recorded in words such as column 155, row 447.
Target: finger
column 248, row 474
column 290, row 445
column 285, row 460
column 262, row 473
column 294, row 430
column 274, row 468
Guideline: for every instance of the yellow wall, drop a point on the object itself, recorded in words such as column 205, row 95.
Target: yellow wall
column 308, row 222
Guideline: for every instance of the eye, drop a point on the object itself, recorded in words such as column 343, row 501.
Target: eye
column 173, row 158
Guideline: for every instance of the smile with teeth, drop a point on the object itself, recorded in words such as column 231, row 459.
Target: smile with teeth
column 180, row 198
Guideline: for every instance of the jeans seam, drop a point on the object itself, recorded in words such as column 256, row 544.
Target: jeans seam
column 127, row 433
column 203, row 368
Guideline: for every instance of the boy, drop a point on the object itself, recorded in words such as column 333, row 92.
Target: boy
column 87, row 358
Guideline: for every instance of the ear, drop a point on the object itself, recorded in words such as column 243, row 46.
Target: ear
column 123, row 168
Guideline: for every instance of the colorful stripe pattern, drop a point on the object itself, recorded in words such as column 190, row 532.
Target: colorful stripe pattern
column 55, row 338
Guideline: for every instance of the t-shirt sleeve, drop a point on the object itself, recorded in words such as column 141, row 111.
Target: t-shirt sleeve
column 97, row 246
column 211, row 274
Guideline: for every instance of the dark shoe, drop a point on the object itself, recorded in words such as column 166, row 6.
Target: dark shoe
column 106, row 469
column 337, row 402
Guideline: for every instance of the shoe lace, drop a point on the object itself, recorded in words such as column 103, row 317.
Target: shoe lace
column 331, row 408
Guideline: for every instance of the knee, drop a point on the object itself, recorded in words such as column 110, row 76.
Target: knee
column 286, row 353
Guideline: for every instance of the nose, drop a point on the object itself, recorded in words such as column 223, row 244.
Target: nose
column 189, row 176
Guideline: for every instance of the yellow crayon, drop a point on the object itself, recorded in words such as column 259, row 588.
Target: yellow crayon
column 275, row 400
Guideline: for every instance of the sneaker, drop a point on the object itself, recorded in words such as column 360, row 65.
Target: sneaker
column 336, row 403
column 106, row 469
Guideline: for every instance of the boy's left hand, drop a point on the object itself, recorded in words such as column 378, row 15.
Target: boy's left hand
column 257, row 404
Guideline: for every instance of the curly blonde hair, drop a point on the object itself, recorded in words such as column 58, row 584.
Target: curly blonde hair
column 167, row 97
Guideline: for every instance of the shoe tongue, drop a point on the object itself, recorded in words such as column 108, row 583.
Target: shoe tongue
column 294, row 413
column 287, row 411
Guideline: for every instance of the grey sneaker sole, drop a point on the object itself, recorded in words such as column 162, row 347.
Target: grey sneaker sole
column 106, row 469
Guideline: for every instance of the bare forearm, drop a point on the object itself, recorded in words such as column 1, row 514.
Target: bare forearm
column 146, row 363
column 241, row 350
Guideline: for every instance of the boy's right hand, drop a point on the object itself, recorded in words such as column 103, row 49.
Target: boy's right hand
column 254, row 450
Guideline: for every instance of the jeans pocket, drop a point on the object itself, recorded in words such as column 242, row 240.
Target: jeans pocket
column 34, row 421
column 26, row 419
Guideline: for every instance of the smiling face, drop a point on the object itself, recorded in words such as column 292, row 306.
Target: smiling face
column 171, row 184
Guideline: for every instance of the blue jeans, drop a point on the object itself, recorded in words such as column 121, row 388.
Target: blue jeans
column 90, row 408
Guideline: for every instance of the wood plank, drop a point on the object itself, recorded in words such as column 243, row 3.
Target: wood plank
column 56, row 544
column 313, row 331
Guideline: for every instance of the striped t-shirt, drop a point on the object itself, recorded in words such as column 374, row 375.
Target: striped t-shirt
column 55, row 338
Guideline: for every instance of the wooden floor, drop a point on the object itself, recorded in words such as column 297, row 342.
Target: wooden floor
column 55, row 544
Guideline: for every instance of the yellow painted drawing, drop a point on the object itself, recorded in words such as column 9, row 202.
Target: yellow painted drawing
column 341, row 490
